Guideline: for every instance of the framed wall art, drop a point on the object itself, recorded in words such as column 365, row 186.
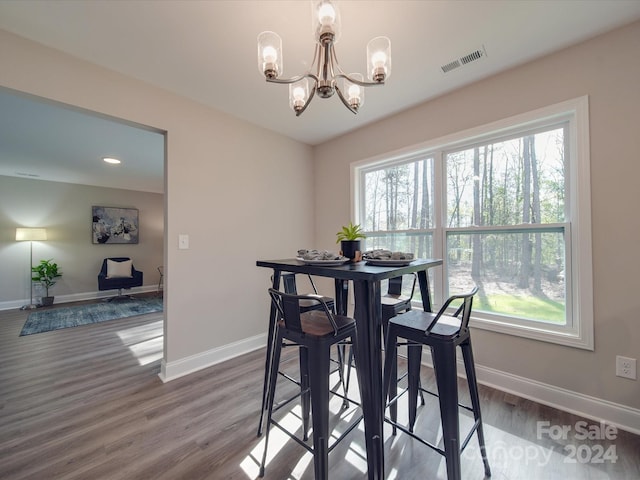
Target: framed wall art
column 114, row 225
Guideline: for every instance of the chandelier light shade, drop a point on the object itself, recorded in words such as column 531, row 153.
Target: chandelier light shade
column 379, row 58
column 298, row 94
column 325, row 77
column 270, row 54
column 353, row 91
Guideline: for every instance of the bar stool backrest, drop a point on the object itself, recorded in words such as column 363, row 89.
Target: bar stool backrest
column 465, row 308
column 288, row 307
column 289, row 283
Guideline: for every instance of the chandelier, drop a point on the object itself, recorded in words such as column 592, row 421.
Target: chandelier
column 328, row 77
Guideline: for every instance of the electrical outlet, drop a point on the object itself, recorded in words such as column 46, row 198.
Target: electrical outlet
column 626, row 367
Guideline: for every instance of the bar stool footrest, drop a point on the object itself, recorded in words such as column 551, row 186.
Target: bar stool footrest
column 461, row 405
column 404, row 429
column 309, row 448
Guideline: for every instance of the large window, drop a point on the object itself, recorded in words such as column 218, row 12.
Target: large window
column 507, row 206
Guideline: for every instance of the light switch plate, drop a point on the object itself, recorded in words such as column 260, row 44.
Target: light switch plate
column 183, row 241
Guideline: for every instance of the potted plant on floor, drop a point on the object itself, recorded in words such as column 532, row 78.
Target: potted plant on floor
column 349, row 239
column 47, row 274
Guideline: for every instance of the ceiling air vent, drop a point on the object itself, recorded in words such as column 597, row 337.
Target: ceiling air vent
column 450, row 66
column 464, row 60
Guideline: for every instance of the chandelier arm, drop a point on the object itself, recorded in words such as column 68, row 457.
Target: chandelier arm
column 334, row 60
column 306, row 104
column 342, row 74
column 344, row 100
column 316, row 56
column 359, row 82
column 295, row 79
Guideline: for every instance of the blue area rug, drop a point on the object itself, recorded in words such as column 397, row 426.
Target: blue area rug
column 55, row 319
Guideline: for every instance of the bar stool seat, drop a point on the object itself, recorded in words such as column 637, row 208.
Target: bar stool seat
column 315, row 332
column 442, row 333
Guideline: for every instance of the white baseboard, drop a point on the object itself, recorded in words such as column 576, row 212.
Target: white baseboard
column 172, row 370
column 77, row 297
column 621, row 416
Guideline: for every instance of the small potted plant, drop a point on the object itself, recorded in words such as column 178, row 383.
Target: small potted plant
column 349, row 239
column 47, row 274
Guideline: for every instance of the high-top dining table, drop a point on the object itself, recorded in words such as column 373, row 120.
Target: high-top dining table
column 367, row 314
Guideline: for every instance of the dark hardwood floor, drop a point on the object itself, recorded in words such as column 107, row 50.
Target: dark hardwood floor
column 87, row 403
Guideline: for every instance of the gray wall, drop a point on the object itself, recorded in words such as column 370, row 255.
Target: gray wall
column 64, row 209
column 239, row 191
column 603, row 69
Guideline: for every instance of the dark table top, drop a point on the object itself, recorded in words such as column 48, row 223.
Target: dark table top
column 349, row 271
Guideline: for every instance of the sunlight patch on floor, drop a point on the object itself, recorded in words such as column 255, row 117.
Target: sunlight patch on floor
column 148, row 351
column 144, row 342
column 277, row 440
column 357, row 457
column 341, row 418
column 393, row 474
column 292, row 421
column 140, row 332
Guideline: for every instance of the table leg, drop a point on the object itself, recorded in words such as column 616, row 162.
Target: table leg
column 342, row 290
column 368, row 312
column 341, row 299
column 423, row 278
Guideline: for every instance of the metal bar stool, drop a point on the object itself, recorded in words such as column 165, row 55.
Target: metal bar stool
column 313, row 302
column 394, row 302
column 442, row 333
column 315, row 332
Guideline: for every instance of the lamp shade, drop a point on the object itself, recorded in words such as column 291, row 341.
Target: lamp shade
column 31, row 234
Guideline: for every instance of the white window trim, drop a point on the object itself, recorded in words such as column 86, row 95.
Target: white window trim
column 579, row 333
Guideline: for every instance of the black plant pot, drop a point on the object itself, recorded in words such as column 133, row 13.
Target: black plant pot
column 351, row 249
column 47, row 301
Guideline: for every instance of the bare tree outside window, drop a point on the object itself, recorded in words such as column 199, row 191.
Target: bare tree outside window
column 500, row 197
column 507, row 206
column 504, row 204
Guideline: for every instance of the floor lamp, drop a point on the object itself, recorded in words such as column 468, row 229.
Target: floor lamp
column 30, row 235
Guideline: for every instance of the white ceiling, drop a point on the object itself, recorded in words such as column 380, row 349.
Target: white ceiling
column 41, row 140
column 206, row 50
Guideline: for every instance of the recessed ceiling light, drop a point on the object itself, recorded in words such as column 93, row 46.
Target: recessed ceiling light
column 111, row 160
